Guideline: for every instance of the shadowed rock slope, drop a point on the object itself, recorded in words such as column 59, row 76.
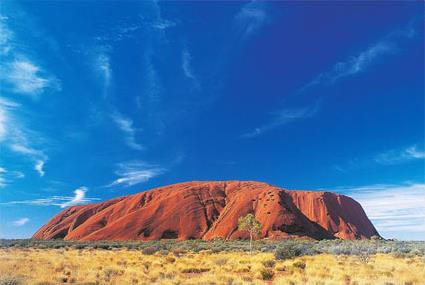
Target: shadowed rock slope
column 207, row 210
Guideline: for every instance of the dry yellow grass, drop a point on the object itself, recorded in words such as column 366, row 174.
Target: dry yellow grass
column 90, row 266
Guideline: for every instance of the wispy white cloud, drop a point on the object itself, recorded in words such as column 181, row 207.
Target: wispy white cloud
column 163, row 24
column 2, row 179
column 20, row 74
column 105, row 67
column 282, row 117
column 398, row 156
column 7, row 120
column 39, row 167
column 153, row 85
column 16, row 136
column 60, row 201
column 251, row 17
column 126, row 125
column 6, row 103
column 391, row 157
column 26, row 77
column 362, row 61
column 79, row 197
column 8, row 176
column 21, row 222
column 352, row 65
column 3, row 122
column 135, row 172
column 187, row 67
column 21, row 146
column 156, row 23
column 149, row 29
column 155, row 34
column 142, row 24
column 26, row 150
column 102, row 66
column 393, row 208
column 6, row 36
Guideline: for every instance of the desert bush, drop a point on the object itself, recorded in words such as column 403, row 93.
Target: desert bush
column 170, row 259
column 299, row 264
column 101, row 246
column 164, row 252
column 110, row 272
column 179, row 252
column 288, row 251
column 150, row 250
column 364, row 257
column 220, row 261
column 195, row 270
column 399, row 254
column 11, row 280
column 351, row 248
column 78, row 246
column 266, row 273
column 270, row 263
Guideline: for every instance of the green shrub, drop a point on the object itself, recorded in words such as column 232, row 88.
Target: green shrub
column 179, row 252
column 163, row 252
column 288, row 251
column 149, row 250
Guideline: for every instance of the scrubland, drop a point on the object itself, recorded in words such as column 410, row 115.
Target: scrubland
column 217, row 262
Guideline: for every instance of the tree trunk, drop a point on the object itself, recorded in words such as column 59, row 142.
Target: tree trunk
column 250, row 242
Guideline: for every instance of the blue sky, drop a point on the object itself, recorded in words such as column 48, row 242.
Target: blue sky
column 103, row 99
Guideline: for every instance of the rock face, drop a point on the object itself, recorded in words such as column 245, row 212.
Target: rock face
column 207, row 210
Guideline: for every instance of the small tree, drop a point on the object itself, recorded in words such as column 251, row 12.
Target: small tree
column 250, row 224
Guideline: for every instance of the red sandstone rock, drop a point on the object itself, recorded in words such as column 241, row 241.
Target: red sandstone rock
column 207, row 210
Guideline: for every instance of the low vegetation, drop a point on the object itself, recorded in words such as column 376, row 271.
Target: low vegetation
column 36, row 262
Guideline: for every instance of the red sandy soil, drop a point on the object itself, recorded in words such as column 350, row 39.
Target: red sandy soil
column 207, row 210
